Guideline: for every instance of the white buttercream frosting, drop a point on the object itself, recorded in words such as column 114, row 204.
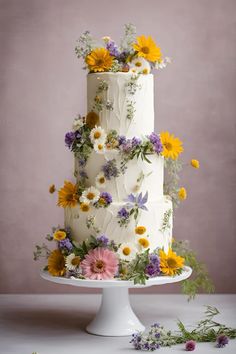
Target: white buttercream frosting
column 118, row 95
column 106, row 220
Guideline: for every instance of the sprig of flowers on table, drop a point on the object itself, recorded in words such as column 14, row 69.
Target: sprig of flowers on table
column 134, row 54
column 100, row 258
column 206, row 330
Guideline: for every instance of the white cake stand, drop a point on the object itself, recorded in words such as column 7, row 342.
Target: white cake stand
column 115, row 316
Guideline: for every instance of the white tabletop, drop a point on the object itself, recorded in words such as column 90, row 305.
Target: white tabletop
column 54, row 324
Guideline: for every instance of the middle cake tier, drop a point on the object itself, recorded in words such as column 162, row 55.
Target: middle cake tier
column 104, row 172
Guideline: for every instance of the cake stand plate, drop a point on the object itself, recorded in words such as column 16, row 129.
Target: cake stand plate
column 115, row 316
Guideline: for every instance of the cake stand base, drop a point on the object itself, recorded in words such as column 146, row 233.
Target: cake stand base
column 115, row 316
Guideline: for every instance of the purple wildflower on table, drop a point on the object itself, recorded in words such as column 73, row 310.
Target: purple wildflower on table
column 156, row 142
column 65, row 244
column 137, row 201
column 190, row 345
column 69, row 139
column 222, row 340
column 110, row 169
column 103, row 240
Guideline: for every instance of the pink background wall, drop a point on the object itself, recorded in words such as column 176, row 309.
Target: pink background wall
column 43, row 88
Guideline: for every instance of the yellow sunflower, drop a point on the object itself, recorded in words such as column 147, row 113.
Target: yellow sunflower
column 147, row 48
column 172, row 146
column 56, row 263
column 68, row 195
column 99, row 60
column 170, row 263
column 92, row 119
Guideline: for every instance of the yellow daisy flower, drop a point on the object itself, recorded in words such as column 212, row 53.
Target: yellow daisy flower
column 172, row 146
column 56, row 263
column 92, row 119
column 59, row 235
column 140, row 230
column 195, row 163
column 170, row 263
column 147, row 48
column 143, row 242
column 52, row 188
column 84, row 207
column 99, row 60
column 182, row 193
column 67, row 195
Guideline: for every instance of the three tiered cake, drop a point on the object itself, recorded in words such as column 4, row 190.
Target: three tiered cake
column 118, row 211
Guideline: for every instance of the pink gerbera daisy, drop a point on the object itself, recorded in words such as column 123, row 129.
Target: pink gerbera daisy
column 100, row 264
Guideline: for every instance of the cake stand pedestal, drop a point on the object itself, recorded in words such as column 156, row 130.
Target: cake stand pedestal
column 115, row 316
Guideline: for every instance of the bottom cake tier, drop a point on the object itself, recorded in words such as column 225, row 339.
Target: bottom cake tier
column 157, row 221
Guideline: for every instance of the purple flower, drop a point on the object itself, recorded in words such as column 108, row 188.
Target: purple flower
column 190, row 345
column 113, row 49
column 153, row 267
column 123, row 213
column 103, row 239
column 222, row 340
column 82, row 162
column 136, row 141
column 66, row 244
column 69, row 138
column 107, row 197
column 137, row 201
column 83, row 174
column 126, row 146
column 123, row 56
column 156, row 141
column 121, row 139
column 110, row 169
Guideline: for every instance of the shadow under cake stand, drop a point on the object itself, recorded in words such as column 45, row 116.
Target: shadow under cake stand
column 115, row 316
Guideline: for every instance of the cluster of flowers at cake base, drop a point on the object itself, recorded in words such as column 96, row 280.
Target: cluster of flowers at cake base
column 134, row 54
column 99, row 258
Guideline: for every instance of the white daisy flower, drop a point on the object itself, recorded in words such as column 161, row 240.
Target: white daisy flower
column 78, row 123
column 99, row 147
column 72, row 261
column 98, row 135
column 100, row 180
column 140, row 65
column 127, row 251
column 143, row 243
column 90, row 195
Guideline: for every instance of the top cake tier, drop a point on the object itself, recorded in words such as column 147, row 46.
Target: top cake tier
column 124, row 102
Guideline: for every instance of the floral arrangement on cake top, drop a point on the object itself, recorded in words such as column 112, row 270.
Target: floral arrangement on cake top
column 136, row 54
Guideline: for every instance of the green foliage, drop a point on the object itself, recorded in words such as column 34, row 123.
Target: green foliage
column 135, row 270
column 128, row 38
column 200, row 279
column 171, row 183
column 41, row 252
column 166, row 221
